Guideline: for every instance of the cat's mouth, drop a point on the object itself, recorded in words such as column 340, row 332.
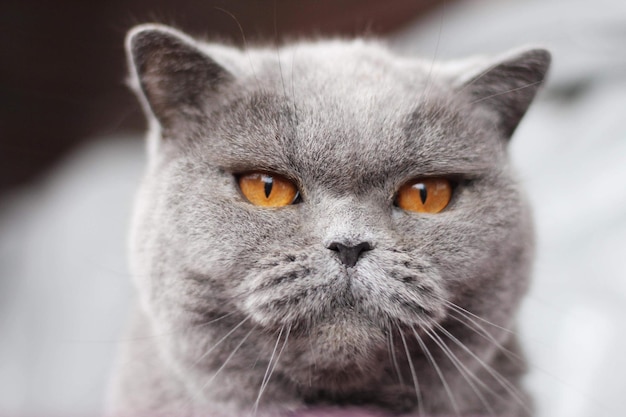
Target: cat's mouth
column 309, row 293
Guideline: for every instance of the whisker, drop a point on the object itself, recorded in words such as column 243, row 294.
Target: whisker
column 206, row 323
column 271, row 365
column 394, row 359
column 280, row 352
column 469, row 316
column 280, row 67
column 507, row 385
column 220, row 341
column 293, row 90
column 463, row 370
column 426, row 91
column 512, row 90
column 267, row 371
column 198, row 394
column 432, row 361
column 418, row 394
column 228, row 359
column 243, row 38
column 440, row 342
column 461, row 310
column 482, row 332
column 173, row 332
column 476, row 79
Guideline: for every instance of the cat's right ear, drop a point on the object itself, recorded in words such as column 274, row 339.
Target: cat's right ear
column 172, row 76
column 508, row 86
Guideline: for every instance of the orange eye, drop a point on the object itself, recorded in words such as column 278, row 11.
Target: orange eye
column 425, row 196
column 267, row 190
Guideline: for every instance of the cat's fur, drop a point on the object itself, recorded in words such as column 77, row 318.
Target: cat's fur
column 244, row 310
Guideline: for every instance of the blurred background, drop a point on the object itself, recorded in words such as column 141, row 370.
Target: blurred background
column 63, row 65
column 71, row 155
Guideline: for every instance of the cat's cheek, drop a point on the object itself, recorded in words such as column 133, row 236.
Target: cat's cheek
column 283, row 290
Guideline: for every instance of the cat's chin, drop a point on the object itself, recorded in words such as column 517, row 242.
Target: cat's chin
column 341, row 355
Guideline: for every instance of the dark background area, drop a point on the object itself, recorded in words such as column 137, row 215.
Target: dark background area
column 63, row 66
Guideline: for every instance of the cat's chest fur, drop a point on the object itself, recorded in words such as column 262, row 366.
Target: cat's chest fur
column 326, row 225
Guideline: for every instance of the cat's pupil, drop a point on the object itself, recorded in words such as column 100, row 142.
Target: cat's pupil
column 269, row 183
column 423, row 192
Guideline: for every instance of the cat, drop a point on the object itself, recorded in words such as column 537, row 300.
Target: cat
column 326, row 226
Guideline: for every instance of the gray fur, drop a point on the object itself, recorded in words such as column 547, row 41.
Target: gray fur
column 349, row 123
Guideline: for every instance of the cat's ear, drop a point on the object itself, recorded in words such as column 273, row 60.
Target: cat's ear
column 508, row 86
column 172, row 76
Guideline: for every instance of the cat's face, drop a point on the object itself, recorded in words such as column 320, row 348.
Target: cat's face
column 347, row 125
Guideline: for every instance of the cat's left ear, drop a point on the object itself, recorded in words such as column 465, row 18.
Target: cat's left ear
column 509, row 86
column 172, row 76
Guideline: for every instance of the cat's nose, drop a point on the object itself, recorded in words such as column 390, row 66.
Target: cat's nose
column 349, row 254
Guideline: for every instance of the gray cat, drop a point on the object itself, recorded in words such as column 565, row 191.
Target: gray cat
column 326, row 226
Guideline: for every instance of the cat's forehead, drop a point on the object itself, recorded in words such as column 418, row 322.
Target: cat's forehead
column 328, row 140
column 358, row 71
column 332, row 110
column 310, row 59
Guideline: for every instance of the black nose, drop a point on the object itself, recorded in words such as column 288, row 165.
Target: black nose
column 349, row 254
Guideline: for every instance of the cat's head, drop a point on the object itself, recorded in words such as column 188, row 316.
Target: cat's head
column 327, row 190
